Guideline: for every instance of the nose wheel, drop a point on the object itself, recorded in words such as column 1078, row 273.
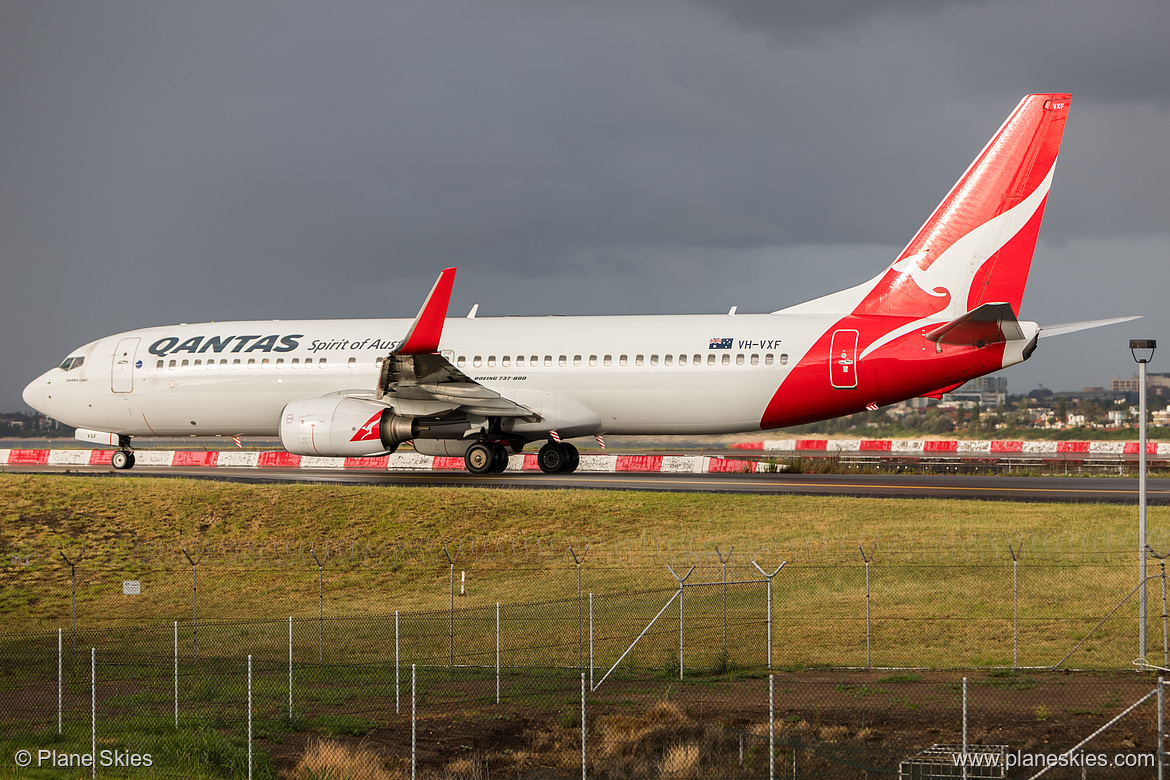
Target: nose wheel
column 122, row 460
column 558, row 457
column 123, row 457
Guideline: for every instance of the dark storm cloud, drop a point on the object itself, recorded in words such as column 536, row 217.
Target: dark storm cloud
column 794, row 22
column 224, row 160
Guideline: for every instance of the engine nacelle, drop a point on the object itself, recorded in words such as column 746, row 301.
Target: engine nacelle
column 443, row 447
column 342, row 428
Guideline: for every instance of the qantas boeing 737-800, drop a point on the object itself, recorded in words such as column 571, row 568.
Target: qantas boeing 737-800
column 944, row 312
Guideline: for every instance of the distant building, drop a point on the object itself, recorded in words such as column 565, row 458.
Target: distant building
column 1133, row 385
column 987, row 391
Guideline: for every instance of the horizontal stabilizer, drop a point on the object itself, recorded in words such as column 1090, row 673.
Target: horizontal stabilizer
column 991, row 323
column 1073, row 327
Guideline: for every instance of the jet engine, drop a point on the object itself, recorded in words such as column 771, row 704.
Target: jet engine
column 342, row 427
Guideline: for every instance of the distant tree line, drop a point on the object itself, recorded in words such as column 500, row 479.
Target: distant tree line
column 17, row 425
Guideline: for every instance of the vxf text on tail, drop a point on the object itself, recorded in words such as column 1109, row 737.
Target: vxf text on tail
column 945, row 311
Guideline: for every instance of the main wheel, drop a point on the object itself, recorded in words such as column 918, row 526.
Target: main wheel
column 574, row 459
column 480, row 458
column 500, row 453
column 556, row 458
column 122, row 459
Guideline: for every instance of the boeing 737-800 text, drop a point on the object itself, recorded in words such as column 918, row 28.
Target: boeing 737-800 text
column 945, row 311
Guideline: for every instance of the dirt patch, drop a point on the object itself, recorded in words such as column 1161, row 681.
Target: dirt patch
column 837, row 722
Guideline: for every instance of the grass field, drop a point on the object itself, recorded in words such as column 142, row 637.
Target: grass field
column 940, row 585
column 939, row 564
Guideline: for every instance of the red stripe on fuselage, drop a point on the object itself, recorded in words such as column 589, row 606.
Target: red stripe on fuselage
column 904, row 368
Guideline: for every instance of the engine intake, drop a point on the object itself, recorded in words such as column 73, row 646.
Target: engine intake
column 342, row 428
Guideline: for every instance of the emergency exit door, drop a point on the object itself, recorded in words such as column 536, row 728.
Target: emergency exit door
column 843, row 359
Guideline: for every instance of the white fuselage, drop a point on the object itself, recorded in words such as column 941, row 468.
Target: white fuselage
column 639, row 374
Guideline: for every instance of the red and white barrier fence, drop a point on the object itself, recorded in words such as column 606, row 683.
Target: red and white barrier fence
column 406, row 461
column 959, row 447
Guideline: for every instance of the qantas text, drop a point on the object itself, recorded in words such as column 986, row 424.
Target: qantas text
column 200, row 344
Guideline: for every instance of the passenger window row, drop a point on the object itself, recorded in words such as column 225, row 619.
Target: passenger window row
column 506, row 361
column 263, row 363
column 533, row 361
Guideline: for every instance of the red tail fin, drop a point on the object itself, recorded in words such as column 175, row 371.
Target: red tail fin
column 977, row 246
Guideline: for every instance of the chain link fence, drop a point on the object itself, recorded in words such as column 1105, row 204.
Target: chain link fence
column 811, row 662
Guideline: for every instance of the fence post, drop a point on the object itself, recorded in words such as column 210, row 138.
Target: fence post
column 583, row 731
column 580, row 640
column 451, row 614
column 413, row 721
column 1016, row 603
column 396, row 665
column 964, row 728
column 194, row 602
column 1161, row 724
column 1165, row 628
column 60, row 684
column 868, row 633
column 73, row 578
column 681, row 584
column 290, row 671
column 320, row 607
column 590, row 641
column 176, row 675
column 249, row 717
column 769, row 578
column 93, row 710
column 723, row 561
column 772, row 727
column 497, row 652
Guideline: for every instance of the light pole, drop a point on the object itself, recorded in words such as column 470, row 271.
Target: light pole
column 1143, row 352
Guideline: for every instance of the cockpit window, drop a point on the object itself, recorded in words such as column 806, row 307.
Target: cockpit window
column 72, row 363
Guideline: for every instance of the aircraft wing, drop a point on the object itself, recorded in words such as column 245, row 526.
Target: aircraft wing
column 417, row 381
column 428, row 384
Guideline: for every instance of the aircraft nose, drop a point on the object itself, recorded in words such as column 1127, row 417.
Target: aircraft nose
column 34, row 395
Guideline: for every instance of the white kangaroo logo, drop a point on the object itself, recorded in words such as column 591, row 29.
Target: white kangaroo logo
column 923, row 277
column 954, row 270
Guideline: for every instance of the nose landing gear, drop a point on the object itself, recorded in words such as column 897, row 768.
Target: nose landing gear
column 123, row 457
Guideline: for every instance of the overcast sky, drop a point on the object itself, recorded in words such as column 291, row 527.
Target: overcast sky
column 167, row 162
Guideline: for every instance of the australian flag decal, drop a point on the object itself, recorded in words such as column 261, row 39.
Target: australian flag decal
column 720, row 344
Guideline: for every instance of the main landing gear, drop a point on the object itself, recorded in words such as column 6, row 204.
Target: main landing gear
column 486, row 457
column 489, row 457
column 558, row 457
column 123, row 457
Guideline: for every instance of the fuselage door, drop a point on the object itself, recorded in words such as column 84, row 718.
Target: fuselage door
column 843, row 359
column 122, row 371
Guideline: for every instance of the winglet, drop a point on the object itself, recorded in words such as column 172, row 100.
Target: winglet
column 427, row 328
